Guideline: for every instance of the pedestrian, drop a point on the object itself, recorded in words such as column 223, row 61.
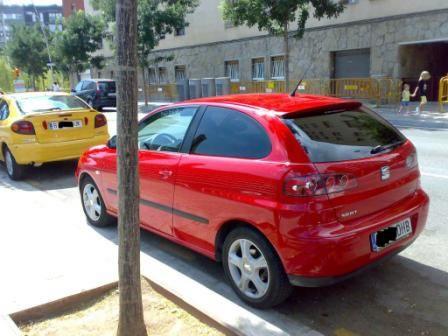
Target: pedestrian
column 405, row 98
column 56, row 87
column 422, row 90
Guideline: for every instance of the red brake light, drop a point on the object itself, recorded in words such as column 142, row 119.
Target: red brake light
column 100, row 120
column 412, row 161
column 23, row 127
column 317, row 184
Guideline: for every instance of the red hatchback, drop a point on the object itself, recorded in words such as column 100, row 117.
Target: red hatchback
column 282, row 190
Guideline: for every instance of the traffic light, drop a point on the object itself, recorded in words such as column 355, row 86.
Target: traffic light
column 16, row 72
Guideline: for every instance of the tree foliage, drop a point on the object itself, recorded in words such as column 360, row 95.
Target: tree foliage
column 273, row 16
column 155, row 19
column 27, row 50
column 81, row 36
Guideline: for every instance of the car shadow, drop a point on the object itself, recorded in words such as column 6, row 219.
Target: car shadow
column 400, row 297
column 49, row 176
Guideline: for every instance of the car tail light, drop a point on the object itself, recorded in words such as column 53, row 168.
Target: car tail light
column 412, row 161
column 23, row 127
column 317, row 184
column 100, row 120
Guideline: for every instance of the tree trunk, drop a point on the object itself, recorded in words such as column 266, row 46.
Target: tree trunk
column 131, row 322
column 145, row 92
column 286, row 51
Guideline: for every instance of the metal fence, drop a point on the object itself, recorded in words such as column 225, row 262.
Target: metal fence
column 443, row 93
column 379, row 91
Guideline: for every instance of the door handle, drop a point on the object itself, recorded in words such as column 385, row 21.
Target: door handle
column 165, row 173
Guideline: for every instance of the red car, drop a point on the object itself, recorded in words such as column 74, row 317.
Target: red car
column 282, row 190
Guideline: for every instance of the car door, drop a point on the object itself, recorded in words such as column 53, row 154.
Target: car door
column 160, row 140
column 78, row 89
column 88, row 90
column 4, row 123
column 223, row 177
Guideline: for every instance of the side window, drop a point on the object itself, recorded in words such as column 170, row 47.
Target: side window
column 88, row 85
column 229, row 133
column 165, row 131
column 4, row 110
column 79, row 86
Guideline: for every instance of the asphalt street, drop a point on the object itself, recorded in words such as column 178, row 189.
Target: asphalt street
column 407, row 295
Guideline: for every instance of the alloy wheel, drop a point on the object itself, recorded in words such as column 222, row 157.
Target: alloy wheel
column 248, row 268
column 9, row 163
column 92, row 202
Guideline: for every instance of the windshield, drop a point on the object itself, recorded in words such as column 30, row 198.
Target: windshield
column 343, row 135
column 47, row 103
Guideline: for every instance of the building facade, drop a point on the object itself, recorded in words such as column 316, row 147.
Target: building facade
column 72, row 6
column 387, row 38
column 50, row 16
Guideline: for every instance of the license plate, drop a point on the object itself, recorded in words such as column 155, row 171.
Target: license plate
column 55, row 125
column 386, row 237
column 112, row 94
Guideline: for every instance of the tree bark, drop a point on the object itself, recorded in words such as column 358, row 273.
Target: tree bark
column 145, row 92
column 286, row 51
column 131, row 322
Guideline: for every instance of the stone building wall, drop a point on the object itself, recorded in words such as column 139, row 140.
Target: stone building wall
column 381, row 36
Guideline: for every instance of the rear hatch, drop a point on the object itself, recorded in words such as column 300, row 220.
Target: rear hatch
column 58, row 118
column 107, row 88
column 357, row 145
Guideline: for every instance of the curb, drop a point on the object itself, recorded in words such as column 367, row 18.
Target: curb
column 65, row 303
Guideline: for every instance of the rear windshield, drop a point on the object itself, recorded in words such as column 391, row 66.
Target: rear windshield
column 343, row 135
column 35, row 104
column 106, row 86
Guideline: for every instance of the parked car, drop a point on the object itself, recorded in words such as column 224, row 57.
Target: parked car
column 98, row 93
column 42, row 127
column 282, row 190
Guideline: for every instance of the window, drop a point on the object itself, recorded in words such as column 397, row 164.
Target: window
column 278, row 67
column 229, row 133
column 165, row 131
column 50, row 103
column 258, row 69
column 4, row 110
column 79, row 86
column 180, row 72
column 89, row 85
column 163, row 75
column 179, row 31
column 152, row 75
column 108, row 86
column 232, row 70
column 352, row 134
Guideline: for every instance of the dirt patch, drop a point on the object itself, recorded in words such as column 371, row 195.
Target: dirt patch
column 99, row 317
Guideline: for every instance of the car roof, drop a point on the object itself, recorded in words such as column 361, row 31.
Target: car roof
column 100, row 80
column 279, row 103
column 34, row 94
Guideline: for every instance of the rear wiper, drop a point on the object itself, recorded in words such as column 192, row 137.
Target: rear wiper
column 382, row 148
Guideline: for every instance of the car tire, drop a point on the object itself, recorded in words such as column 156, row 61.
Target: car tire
column 93, row 204
column 15, row 171
column 257, row 275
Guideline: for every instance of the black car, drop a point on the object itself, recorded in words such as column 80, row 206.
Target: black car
column 98, row 93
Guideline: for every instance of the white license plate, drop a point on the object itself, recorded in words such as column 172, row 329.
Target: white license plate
column 387, row 236
column 54, row 125
column 112, row 94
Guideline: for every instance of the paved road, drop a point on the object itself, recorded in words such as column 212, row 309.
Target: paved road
column 405, row 296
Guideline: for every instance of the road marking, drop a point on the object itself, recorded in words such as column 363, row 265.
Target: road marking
column 435, row 175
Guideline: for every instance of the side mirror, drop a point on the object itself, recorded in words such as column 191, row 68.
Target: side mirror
column 73, row 91
column 112, row 143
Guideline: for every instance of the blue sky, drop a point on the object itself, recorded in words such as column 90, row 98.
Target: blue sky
column 36, row 2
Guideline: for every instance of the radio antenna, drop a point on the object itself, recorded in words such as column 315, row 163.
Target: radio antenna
column 293, row 93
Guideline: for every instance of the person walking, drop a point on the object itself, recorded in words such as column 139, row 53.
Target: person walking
column 405, row 98
column 56, row 87
column 422, row 90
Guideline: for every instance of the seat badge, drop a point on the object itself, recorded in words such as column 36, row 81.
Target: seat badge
column 385, row 173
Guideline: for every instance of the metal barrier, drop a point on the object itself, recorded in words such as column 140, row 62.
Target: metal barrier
column 376, row 90
column 443, row 93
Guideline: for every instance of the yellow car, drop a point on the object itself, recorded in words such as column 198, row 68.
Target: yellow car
column 41, row 127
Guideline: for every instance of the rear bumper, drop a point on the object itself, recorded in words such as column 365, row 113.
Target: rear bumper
column 329, row 256
column 105, row 102
column 41, row 153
